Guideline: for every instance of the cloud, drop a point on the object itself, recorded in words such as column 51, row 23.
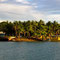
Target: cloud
column 22, row 1
column 30, row 10
column 53, row 17
column 15, row 11
column 3, row 0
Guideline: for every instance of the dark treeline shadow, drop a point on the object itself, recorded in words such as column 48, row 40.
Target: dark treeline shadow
column 3, row 39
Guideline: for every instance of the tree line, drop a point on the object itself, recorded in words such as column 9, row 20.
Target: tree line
column 30, row 28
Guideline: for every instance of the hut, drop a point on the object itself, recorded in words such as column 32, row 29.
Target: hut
column 2, row 37
column 2, row 34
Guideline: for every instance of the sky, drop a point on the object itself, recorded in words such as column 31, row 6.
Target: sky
column 23, row 10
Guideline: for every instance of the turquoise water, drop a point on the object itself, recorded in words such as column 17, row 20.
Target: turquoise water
column 29, row 50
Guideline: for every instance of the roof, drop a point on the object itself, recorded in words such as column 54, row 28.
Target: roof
column 2, row 32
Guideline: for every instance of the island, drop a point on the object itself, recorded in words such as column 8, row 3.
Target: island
column 29, row 31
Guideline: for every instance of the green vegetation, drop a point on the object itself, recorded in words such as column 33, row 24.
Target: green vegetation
column 30, row 28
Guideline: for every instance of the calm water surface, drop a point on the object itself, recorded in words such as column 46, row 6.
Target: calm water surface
column 29, row 50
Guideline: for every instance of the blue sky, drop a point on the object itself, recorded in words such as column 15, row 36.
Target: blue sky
column 47, row 10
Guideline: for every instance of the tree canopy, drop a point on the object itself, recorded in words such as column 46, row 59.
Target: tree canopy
column 30, row 28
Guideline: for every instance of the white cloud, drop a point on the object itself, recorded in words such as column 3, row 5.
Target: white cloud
column 14, row 8
column 24, row 12
column 16, row 12
column 23, row 1
column 2, row 0
column 53, row 17
column 2, row 20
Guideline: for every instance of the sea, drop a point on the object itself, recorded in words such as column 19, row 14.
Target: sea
column 29, row 50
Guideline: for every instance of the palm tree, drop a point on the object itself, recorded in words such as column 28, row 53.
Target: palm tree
column 16, row 28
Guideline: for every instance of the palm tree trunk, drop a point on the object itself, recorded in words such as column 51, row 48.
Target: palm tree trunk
column 24, row 34
column 29, row 35
column 42, row 37
column 16, row 34
column 19, row 35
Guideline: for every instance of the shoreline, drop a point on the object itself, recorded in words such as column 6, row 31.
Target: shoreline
column 22, row 39
column 27, row 40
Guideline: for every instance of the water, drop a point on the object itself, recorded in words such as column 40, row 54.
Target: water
column 29, row 50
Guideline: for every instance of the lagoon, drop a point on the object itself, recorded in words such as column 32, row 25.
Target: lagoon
column 29, row 50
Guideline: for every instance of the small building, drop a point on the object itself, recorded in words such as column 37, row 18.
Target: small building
column 2, row 37
column 2, row 34
column 55, row 38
